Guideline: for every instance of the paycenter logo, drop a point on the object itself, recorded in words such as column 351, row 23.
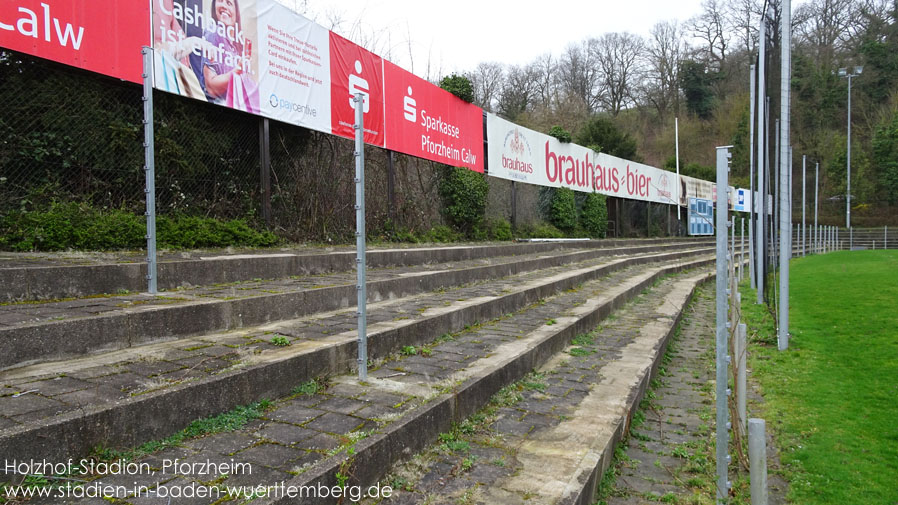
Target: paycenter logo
column 283, row 103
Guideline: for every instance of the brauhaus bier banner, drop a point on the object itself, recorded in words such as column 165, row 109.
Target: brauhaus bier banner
column 520, row 154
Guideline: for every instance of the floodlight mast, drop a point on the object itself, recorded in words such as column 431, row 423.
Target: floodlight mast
column 844, row 72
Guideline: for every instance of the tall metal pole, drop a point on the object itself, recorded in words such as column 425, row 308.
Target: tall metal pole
column 785, row 174
column 848, row 189
column 677, row 142
column 150, row 167
column 742, row 256
column 804, row 226
column 723, row 157
column 361, row 265
column 769, row 171
column 733, row 239
column 751, row 178
column 761, row 204
column 816, row 195
column 774, row 228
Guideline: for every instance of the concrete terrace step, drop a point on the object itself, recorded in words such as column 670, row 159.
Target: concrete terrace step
column 41, row 276
column 93, row 411
column 550, row 440
column 34, row 332
column 359, row 430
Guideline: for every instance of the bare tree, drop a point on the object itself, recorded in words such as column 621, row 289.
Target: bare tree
column 544, row 68
column 743, row 17
column 618, row 56
column 869, row 14
column 824, row 27
column 711, row 28
column 578, row 74
column 487, row 80
column 517, row 93
column 663, row 53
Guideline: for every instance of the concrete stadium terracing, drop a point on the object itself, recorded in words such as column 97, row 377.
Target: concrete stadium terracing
column 117, row 371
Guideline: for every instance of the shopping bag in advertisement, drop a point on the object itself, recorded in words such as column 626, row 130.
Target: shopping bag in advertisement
column 166, row 72
column 173, row 76
column 190, row 85
column 243, row 93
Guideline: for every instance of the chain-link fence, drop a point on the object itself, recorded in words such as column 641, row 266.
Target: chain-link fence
column 72, row 136
column 69, row 135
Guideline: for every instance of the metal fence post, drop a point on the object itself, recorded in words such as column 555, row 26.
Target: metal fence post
column 733, row 240
column 741, row 352
column 150, row 167
column 760, row 231
column 804, row 228
column 751, row 175
column 723, row 485
column 361, row 266
column 816, row 196
column 757, row 455
column 742, row 257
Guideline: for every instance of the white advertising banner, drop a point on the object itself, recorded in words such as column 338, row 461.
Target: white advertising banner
column 251, row 55
column 514, row 152
column 295, row 81
column 629, row 179
column 520, row 154
column 691, row 187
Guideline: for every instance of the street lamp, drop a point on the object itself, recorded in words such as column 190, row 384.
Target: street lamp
column 844, row 72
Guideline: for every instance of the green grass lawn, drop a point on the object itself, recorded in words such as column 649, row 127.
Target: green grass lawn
column 832, row 398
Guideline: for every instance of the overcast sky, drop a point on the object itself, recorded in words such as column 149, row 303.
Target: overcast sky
column 456, row 35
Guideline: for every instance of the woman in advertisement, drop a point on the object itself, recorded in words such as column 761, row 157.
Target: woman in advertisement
column 176, row 50
column 227, row 68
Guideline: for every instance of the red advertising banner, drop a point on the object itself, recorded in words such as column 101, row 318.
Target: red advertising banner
column 103, row 37
column 355, row 70
column 428, row 122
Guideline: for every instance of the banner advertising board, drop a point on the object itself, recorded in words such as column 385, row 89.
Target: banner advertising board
column 628, row 179
column 259, row 57
column 519, row 154
column 514, row 152
column 356, row 70
column 102, row 37
column 696, row 188
column 428, row 122
column 294, row 55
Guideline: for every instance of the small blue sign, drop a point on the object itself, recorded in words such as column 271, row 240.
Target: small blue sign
column 701, row 217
